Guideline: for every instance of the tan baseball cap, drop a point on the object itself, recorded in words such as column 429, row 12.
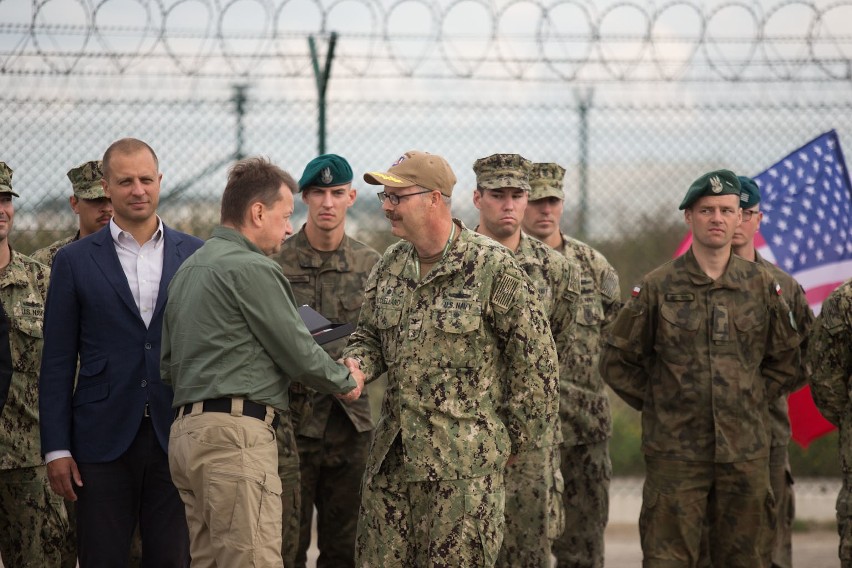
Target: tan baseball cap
column 427, row 170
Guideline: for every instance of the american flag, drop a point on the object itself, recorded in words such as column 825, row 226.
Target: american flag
column 806, row 199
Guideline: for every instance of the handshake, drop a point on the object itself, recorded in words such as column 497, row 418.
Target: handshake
column 355, row 370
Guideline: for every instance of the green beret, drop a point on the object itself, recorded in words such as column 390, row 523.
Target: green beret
column 750, row 195
column 502, row 170
column 6, row 179
column 327, row 170
column 86, row 180
column 546, row 181
column 719, row 182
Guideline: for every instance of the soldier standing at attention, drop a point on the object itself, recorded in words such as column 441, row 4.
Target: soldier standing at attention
column 89, row 203
column 534, row 516
column 583, row 406
column 704, row 345
column 829, row 361
column 780, row 474
column 33, row 520
column 327, row 270
column 471, row 366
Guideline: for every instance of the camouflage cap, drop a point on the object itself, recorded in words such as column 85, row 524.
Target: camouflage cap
column 750, row 195
column 502, row 170
column 546, row 181
column 6, row 179
column 718, row 182
column 327, row 170
column 417, row 168
column 86, row 180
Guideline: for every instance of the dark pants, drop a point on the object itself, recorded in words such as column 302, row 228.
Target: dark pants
column 331, row 472
column 115, row 496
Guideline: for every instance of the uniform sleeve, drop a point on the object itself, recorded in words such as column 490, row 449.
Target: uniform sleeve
column 280, row 331
column 365, row 343
column 5, row 358
column 804, row 317
column 610, row 293
column 829, row 357
column 782, row 362
column 627, row 349
column 531, row 379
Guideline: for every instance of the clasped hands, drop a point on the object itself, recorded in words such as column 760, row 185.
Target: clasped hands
column 358, row 376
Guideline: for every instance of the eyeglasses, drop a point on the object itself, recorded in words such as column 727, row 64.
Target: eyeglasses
column 749, row 213
column 394, row 199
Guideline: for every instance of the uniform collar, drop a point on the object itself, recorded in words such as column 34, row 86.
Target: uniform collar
column 340, row 261
column 15, row 273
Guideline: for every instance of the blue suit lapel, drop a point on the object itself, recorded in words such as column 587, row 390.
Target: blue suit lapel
column 172, row 258
column 106, row 259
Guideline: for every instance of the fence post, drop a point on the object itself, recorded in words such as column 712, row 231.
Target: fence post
column 240, row 109
column 322, row 83
column 584, row 104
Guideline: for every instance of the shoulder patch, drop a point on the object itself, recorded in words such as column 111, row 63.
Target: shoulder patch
column 505, row 291
column 609, row 283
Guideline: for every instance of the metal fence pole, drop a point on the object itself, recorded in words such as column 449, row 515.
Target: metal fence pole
column 322, row 84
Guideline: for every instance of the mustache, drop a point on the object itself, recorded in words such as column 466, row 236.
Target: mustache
column 390, row 216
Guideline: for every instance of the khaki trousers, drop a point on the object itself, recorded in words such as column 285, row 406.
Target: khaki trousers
column 225, row 467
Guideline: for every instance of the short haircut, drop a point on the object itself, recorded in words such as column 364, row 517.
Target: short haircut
column 250, row 181
column 127, row 146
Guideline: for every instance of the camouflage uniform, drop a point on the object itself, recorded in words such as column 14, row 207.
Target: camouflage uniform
column 534, row 486
column 333, row 438
column 47, row 254
column 453, row 412
column 33, row 520
column 829, row 360
column 584, row 412
column 701, row 358
column 780, row 475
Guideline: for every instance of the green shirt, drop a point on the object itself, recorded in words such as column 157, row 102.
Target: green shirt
column 231, row 329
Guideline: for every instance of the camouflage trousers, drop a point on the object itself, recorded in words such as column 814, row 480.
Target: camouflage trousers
column 587, row 471
column 291, row 489
column 534, row 515
column 781, row 481
column 34, row 529
column 735, row 498
column 331, row 470
column 844, row 521
column 428, row 524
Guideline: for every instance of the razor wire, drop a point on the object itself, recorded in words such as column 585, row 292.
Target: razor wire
column 559, row 41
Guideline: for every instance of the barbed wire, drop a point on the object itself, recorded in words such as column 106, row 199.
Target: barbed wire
column 558, row 40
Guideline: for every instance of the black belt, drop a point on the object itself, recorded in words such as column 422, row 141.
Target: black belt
column 250, row 408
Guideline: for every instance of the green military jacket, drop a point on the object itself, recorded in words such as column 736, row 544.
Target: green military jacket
column 702, row 359
column 798, row 303
column 231, row 329
column 584, row 406
column 829, row 361
column 334, row 287
column 23, row 288
column 470, row 360
column 557, row 281
column 47, row 254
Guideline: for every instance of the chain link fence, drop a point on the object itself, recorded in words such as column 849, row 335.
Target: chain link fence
column 639, row 158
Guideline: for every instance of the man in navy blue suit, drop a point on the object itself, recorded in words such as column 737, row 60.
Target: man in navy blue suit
column 105, row 441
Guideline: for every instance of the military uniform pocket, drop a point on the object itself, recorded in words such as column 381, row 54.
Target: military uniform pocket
column 483, row 518
column 678, row 330
column 241, row 502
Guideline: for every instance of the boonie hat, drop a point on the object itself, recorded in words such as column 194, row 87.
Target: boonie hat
column 430, row 171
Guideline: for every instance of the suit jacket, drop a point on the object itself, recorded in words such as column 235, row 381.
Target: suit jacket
column 90, row 312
